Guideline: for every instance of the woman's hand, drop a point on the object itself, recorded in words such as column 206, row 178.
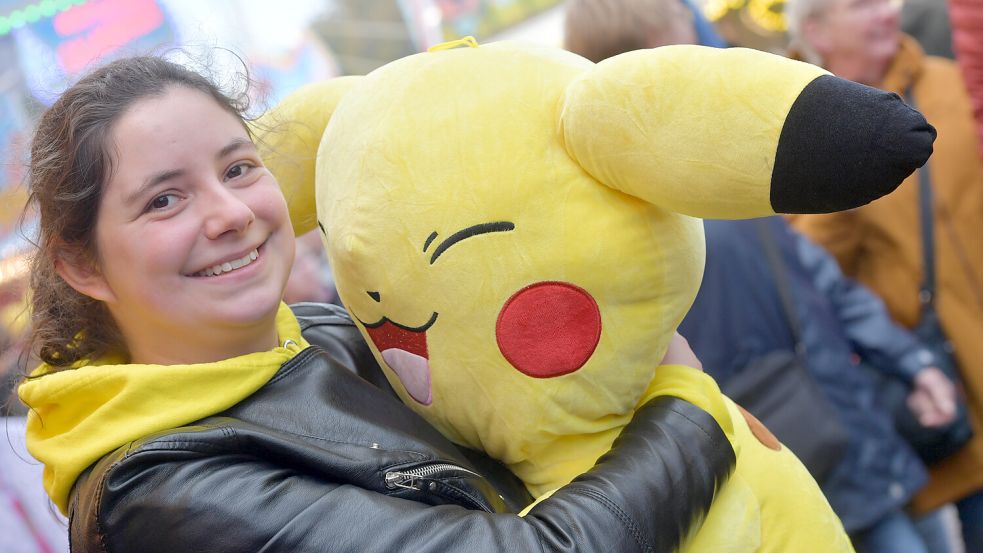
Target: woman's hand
column 679, row 353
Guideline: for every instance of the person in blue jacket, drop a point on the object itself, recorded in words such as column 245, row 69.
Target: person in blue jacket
column 739, row 316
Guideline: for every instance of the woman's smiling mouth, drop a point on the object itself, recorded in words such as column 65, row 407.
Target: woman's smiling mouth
column 229, row 266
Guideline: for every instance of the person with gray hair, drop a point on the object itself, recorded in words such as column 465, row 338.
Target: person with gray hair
column 854, row 39
column 880, row 244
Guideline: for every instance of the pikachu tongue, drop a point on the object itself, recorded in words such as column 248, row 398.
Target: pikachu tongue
column 413, row 371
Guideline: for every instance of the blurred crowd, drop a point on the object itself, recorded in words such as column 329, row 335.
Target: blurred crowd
column 853, row 335
column 856, row 335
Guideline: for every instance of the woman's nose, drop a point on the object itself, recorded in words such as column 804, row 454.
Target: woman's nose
column 225, row 212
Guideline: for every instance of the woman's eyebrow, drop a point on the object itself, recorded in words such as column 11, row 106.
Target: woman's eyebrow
column 152, row 182
column 234, row 145
column 483, row 228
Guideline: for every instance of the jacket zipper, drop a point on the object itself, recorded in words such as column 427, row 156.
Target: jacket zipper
column 414, row 479
column 410, row 478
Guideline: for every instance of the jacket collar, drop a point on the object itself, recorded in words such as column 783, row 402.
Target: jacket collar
column 906, row 67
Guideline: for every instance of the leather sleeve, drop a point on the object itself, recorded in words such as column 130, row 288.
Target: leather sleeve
column 190, row 495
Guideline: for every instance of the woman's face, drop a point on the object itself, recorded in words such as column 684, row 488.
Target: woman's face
column 193, row 237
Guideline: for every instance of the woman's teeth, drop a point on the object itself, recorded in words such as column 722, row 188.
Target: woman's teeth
column 229, row 265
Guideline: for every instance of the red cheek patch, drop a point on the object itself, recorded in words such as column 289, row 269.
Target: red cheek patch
column 548, row 329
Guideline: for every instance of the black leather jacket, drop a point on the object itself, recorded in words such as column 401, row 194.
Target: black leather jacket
column 319, row 459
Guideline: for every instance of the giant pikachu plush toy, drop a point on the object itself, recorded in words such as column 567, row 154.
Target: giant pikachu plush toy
column 514, row 230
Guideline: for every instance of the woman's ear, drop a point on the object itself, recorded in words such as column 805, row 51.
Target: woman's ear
column 82, row 274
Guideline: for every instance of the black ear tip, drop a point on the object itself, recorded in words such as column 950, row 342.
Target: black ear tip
column 844, row 145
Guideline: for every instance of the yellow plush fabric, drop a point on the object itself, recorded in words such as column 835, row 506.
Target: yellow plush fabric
column 289, row 138
column 770, row 503
column 671, row 140
column 789, row 510
column 80, row 414
column 513, row 229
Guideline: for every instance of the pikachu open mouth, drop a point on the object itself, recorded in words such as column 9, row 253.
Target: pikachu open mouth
column 404, row 349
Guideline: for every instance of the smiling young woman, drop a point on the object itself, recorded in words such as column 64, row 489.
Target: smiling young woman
column 182, row 406
column 190, row 222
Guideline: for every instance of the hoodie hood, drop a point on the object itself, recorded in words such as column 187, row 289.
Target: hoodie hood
column 79, row 415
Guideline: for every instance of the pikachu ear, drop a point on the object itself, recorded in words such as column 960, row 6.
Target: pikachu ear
column 738, row 133
column 288, row 136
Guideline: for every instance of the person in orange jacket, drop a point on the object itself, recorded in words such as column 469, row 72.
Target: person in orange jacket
column 880, row 244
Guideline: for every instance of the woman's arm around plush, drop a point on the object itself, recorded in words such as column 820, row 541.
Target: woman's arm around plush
column 198, row 490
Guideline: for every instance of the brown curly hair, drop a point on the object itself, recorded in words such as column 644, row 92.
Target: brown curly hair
column 71, row 161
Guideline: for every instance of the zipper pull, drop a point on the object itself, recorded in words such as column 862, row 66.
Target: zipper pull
column 401, row 480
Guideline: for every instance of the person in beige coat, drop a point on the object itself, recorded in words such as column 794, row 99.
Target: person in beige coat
column 880, row 243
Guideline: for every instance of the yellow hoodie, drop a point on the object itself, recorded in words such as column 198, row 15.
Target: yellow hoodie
column 79, row 415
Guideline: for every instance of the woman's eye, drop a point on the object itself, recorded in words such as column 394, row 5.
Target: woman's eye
column 237, row 170
column 162, row 201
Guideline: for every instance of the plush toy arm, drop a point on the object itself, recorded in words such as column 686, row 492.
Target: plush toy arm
column 739, row 133
column 694, row 386
column 288, row 136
